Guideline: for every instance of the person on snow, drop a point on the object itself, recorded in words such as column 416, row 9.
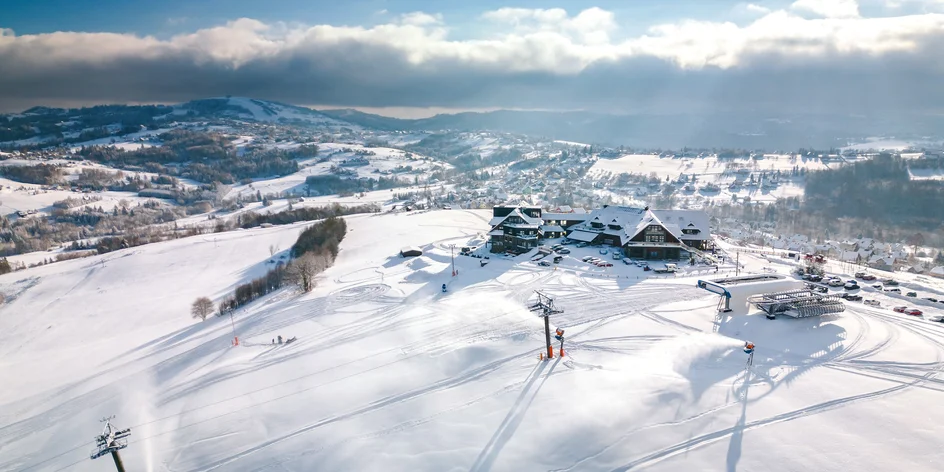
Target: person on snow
column 280, row 339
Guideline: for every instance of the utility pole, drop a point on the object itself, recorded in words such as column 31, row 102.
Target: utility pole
column 233, row 324
column 452, row 253
column 110, row 441
column 545, row 305
column 737, row 263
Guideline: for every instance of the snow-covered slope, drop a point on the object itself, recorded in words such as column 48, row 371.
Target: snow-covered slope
column 355, row 161
column 266, row 111
column 389, row 373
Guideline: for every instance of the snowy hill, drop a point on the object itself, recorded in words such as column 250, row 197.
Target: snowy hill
column 256, row 110
column 389, row 373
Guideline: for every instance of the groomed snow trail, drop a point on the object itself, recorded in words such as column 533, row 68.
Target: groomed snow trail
column 389, row 373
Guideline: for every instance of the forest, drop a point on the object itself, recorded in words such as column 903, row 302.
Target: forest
column 878, row 189
column 202, row 156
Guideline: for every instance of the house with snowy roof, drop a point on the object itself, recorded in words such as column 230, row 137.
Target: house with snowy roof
column 645, row 233
column 515, row 228
column 882, row 262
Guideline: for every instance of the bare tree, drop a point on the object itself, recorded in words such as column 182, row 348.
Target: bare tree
column 302, row 271
column 273, row 249
column 201, row 308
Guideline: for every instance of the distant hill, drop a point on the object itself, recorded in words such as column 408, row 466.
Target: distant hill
column 253, row 109
column 668, row 130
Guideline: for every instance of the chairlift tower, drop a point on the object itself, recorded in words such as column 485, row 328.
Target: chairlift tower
column 545, row 305
column 110, row 442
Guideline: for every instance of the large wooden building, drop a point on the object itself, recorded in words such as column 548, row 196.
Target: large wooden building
column 641, row 232
column 645, row 233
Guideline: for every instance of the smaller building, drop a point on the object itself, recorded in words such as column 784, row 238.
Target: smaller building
column 411, row 251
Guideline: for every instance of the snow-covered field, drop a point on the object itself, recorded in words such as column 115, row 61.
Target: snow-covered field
column 17, row 196
column 389, row 373
column 889, row 144
column 710, row 169
column 385, row 162
column 926, row 174
column 672, row 167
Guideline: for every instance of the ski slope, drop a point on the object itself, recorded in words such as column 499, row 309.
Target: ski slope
column 390, row 373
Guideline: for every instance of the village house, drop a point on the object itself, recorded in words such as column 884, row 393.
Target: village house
column 886, row 263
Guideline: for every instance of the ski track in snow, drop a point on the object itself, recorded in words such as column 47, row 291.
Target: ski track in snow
column 462, row 358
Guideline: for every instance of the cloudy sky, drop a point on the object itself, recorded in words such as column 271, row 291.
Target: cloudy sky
column 630, row 56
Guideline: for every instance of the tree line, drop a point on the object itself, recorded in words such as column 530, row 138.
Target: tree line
column 313, row 252
column 251, row 220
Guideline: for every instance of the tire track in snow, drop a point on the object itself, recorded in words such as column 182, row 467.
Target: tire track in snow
column 718, row 435
column 442, row 385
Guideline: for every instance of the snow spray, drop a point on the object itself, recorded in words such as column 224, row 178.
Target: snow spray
column 143, row 412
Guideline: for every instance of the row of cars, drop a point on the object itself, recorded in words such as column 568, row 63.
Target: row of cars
column 891, row 285
column 597, row 261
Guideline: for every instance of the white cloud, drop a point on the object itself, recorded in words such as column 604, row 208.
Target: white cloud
column 419, row 18
column 414, row 52
column 538, row 40
column 590, row 26
column 756, row 8
column 828, row 8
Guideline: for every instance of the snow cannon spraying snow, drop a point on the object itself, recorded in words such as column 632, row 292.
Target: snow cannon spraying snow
column 748, row 347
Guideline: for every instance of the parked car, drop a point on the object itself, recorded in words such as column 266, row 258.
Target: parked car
column 872, row 303
column 816, row 278
column 877, row 286
column 581, row 244
column 836, row 282
column 544, row 264
column 890, row 282
column 937, row 319
column 893, row 289
column 852, row 297
column 819, row 288
column 911, row 294
column 628, row 261
column 563, row 250
column 557, row 259
column 556, row 247
column 899, row 309
column 859, row 275
column 913, row 312
column 617, row 256
column 851, row 285
column 930, row 299
column 607, row 264
column 586, row 258
column 868, row 277
column 603, row 251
